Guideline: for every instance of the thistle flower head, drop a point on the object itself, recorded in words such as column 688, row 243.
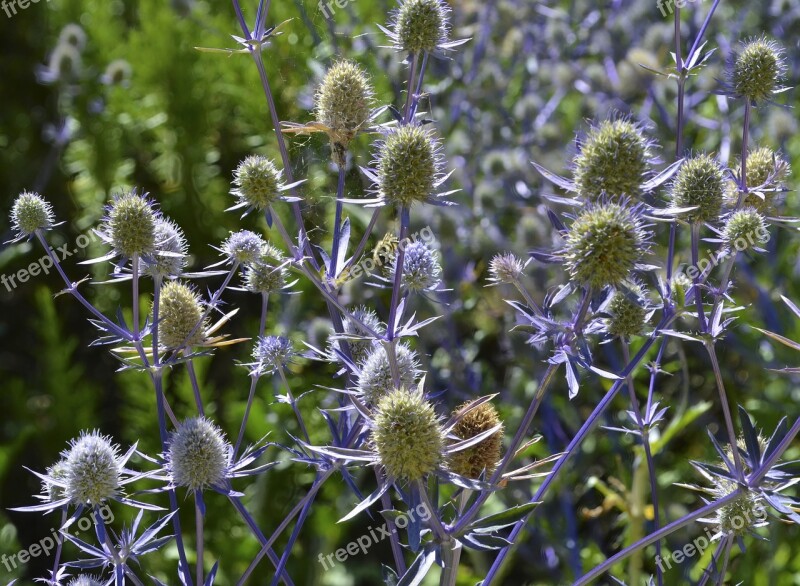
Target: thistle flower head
column 343, row 100
column 485, row 455
column 29, row 213
column 407, row 435
column 118, row 72
column 360, row 349
column 767, row 172
column 272, row 352
column 257, row 182
column 131, row 225
column 267, row 273
column 180, row 312
column 375, row 379
column 742, row 514
column 408, row 166
column 85, row 580
column 92, row 469
column 699, row 183
column 244, row 246
column 74, row 35
column 58, row 472
column 169, row 258
column 603, row 244
column 758, row 69
column 627, row 311
column 421, row 268
column 199, row 455
column 505, row 268
column 613, row 161
column 744, row 228
column 421, row 25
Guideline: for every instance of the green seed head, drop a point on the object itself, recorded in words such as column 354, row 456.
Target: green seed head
column 360, row 349
column 170, row 241
column 198, row 455
column 343, row 101
column 628, row 314
column 758, row 69
column 92, row 469
column 264, row 274
column 257, row 182
column 29, row 213
column 484, row 455
column 603, row 245
column 613, row 160
column 699, row 183
column 57, row 471
column 132, row 225
column 375, row 379
column 408, row 165
column 742, row 514
column 421, row 25
column 744, row 229
column 407, row 435
column 767, row 172
column 180, row 310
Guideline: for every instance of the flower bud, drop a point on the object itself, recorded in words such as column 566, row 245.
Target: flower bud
column 244, row 246
column 421, row 25
column 29, row 213
column 767, row 172
column 375, row 379
column 505, row 268
column 272, row 352
column 421, row 268
column 265, row 276
column 65, row 62
column 198, row 455
column 170, row 241
column 359, row 349
column 699, row 183
column 257, row 182
column 407, row 435
column 744, row 228
column 485, row 455
column 92, row 469
column 57, row 471
column 132, row 225
column 180, row 310
column 408, row 165
column 628, row 313
column 758, row 69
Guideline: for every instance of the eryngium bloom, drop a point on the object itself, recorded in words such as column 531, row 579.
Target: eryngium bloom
column 613, row 160
column 244, row 246
column 407, row 435
column 180, row 312
column 131, row 225
column 169, row 258
column 267, row 273
column 271, row 353
column 744, row 228
column 767, row 172
column 627, row 311
column 92, row 469
column 700, row 183
column 421, row 268
column 199, row 455
column 408, row 166
column 343, row 102
column 758, row 70
column 85, row 580
column 360, row 349
column 505, row 268
column 375, row 379
column 421, row 25
column 603, row 244
column 29, row 213
column 485, row 455
column 257, row 182
column 57, row 472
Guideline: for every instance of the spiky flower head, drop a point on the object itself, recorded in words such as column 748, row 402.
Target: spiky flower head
column 29, row 213
column 180, row 312
column 85, row 580
column 199, row 455
column 421, row 268
column 375, row 379
column 118, row 72
column 628, row 312
column 409, row 164
column 360, row 349
column 744, row 229
column 343, row 100
column 485, row 455
column 407, row 435
column 613, row 160
column 603, row 244
column 758, row 69
column 74, row 35
column 58, row 472
column 65, row 63
column 271, row 353
column 767, row 172
column 169, row 258
column 92, row 469
column 244, row 246
column 742, row 514
column 131, row 224
column 257, row 182
column 505, row 268
column 267, row 273
column 421, row 25
column 699, row 183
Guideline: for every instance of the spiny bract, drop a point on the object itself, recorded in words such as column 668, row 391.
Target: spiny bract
column 700, row 183
column 92, row 469
column 485, row 455
column 180, row 312
column 408, row 165
column 407, row 435
column 198, row 455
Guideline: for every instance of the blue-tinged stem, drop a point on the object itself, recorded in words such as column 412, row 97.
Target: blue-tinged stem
column 293, row 403
column 337, row 226
column 60, row 544
column 756, row 478
column 292, row 538
column 698, row 296
column 200, row 539
column 397, row 290
column 198, row 399
column 135, row 301
column 253, row 378
column 723, row 399
column 410, row 88
column 394, row 539
column 367, row 233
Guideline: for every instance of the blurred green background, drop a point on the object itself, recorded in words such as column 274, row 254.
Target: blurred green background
column 179, row 123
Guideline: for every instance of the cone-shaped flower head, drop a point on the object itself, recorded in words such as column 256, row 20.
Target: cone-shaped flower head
column 343, row 101
column 85, row 580
column 257, row 182
column 359, row 349
column 421, row 268
column 57, row 471
column 744, row 229
column 272, row 352
column 170, row 241
column 266, row 273
column 767, row 172
column 180, row 310
column 244, row 246
column 485, row 455
column 758, row 69
column 199, row 455
column 421, row 25
column 604, row 244
column 29, row 213
column 92, row 469
column 407, row 435
column 613, row 160
column 375, row 379
column 628, row 313
column 131, row 225
column 408, row 166
column 699, row 183
column 742, row 514
column 505, row 268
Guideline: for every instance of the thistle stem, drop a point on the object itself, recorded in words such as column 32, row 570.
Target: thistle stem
column 198, row 520
column 723, row 399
